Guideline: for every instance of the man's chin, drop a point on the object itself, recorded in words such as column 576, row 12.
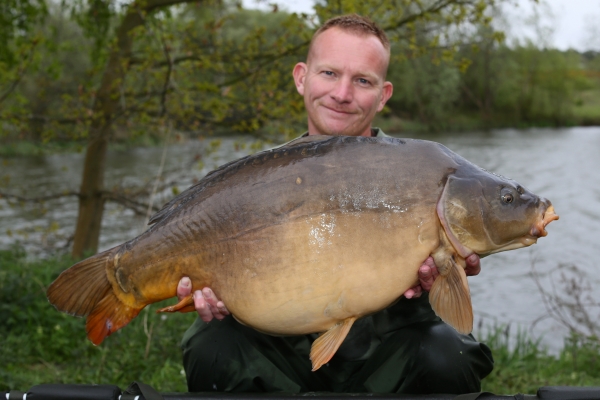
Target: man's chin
column 342, row 130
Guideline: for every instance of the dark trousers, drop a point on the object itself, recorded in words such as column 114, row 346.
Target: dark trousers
column 420, row 357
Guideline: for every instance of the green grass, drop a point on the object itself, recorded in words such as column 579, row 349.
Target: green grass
column 526, row 365
column 42, row 345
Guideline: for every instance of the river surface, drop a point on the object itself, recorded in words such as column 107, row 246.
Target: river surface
column 562, row 165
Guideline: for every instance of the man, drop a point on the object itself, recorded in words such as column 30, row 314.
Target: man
column 404, row 348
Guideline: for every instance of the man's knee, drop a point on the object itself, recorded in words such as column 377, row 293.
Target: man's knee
column 206, row 340
column 210, row 352
column 448, row 356
column 227, row 356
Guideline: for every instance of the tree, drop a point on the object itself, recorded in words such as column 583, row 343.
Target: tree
column 19, row 38
column 157, row 65
column 106, row 109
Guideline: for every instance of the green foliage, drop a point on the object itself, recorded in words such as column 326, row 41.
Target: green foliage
column 424, row 90
column 522, row 364
column 42, row 345
column 231, row 68
column 18, row 20
column 522, row 84
column 204, row 67
column 95, row 18
column 55, row 82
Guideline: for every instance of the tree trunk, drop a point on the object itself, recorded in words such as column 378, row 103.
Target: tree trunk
column 91, row 200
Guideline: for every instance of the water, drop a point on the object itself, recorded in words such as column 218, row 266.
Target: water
column 562, row 165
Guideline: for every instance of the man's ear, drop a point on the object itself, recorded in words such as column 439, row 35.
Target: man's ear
column 299, row 73
column 386, row 93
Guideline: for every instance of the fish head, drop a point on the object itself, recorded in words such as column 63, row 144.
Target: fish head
column 486, row 213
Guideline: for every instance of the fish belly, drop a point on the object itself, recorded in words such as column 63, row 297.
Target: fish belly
column 306, row 275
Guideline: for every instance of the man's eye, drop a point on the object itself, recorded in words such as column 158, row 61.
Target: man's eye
column 363, row 81
column 328, row 73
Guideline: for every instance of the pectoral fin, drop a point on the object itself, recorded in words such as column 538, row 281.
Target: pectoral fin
column 185, row 305
column 450, row 298
column 327, row 344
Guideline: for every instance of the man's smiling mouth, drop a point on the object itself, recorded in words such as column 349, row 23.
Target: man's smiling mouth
column 335, row 110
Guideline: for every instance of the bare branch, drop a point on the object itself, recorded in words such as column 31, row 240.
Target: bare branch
column 37, row 199
column 137, row 207
column 433, row 9
column 569, row 304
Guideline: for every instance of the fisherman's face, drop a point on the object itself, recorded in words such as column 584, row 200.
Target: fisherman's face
column 343, row 83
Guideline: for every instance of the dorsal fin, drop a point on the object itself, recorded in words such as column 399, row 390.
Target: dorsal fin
column 303, row 147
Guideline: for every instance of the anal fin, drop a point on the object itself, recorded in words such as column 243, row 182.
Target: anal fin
column 451, row 300
column 185, row 305
column 327, row 344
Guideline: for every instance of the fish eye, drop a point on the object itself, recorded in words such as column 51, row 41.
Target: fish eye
column 507, row 198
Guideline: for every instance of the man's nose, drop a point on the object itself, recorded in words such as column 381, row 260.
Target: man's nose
column 343, row 91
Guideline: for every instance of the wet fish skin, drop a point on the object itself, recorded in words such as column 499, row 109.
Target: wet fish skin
column 312, row 235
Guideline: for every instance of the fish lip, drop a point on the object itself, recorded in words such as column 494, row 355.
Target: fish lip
column 539, row 228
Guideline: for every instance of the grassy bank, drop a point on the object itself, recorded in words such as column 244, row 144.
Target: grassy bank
column 41, row 345
column 525, row 365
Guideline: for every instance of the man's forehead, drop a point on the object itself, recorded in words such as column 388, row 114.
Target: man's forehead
column 340, row 49
column 337, row 36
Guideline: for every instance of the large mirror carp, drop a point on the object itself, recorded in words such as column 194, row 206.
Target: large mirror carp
column 312, row 235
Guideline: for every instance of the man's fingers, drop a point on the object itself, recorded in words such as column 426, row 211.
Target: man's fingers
column 473, row 265
column 427, row 275
column 217, row 306
column 184, row 288
column 202, row 307
column 222, row 309
column 413, row 292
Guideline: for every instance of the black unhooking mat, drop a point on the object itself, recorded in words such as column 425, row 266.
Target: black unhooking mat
column 141, row 391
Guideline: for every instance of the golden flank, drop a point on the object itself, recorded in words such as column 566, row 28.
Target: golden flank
column 311, row 236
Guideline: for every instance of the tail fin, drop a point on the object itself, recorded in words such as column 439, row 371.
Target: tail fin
column 84, row 290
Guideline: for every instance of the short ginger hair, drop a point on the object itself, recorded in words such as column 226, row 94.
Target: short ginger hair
column 356, row 24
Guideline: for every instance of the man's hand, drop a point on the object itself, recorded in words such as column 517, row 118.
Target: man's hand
column 206, row 303
column 428, row 272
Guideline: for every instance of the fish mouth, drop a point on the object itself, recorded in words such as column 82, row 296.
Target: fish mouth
column 537, row 231
column 539, row 228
